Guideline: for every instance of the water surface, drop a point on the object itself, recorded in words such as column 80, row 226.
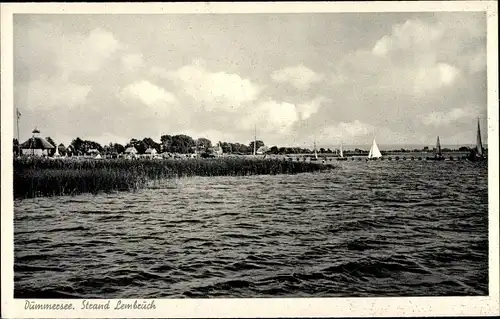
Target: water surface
column 406, row 228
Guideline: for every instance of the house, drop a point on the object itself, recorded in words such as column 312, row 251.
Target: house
column 151, row 152
column 36, row 145
column 218, row 151
column 93, row 152
column 262, row 150
column 131, row 152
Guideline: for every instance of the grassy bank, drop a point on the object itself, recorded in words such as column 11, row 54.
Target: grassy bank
column 45, row 177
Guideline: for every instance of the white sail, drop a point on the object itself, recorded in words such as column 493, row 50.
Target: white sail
column 374, row 151
column 315, row 152
column 341, row 150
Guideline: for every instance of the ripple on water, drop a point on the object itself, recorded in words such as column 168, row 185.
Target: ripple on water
column 366, row 229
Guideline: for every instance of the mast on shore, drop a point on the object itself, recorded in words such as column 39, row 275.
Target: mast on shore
column 255, row 141
column 18, row 115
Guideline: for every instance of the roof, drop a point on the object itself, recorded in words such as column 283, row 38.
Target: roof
column 263, row 149
column 37, row 143
column 150, row 150
column 131, row 149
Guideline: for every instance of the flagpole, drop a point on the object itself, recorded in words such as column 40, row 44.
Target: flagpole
column 255, row 141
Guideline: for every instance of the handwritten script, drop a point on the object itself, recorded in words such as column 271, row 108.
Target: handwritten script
column 92, row 305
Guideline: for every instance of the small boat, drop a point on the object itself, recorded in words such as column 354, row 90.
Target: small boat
column 374, row 151
column 341, row 155
column 315, row 158
column 477, row 153
column 438, row 155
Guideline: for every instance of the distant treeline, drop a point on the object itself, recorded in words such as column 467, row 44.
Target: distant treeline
column 185, row 144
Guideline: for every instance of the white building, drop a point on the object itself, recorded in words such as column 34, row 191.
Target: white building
column 131, row 152
column 36, row 145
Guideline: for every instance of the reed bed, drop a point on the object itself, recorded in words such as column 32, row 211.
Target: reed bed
column 35, row 177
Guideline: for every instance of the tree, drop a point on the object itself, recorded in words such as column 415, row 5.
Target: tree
column 165, row 140
column 62, row 149
column 204, row 144
column 226, row 147
column 181, row 144
column 77, row 145
column 118, row 148
column 322, row 150
column 273, row 150
column 141, row 147
column 53, row 150
column 258, row 144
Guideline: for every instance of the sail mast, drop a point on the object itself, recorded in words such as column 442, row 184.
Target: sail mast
column 374, row 150
column 315, row 152
column 438, row 147
column 479, row 144
column 341, row 149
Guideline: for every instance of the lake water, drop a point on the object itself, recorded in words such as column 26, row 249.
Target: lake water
column 406, row 228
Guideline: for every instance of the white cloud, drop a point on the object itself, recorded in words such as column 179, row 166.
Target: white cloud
column 148, row 93
column 85, row 53
column 216, row 90
column 349, row 129
column 51, row 93
column 132, row 61
column 412, row 35
column 300, row 76
column 445, row 118
column 306, row 110
column 435, row 77
column 280, row 117
column 272, row 116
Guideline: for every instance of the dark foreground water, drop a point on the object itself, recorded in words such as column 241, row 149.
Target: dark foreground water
column 365, row 229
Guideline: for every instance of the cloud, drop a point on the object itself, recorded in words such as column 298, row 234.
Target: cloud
column 414, row 59
column 376, row 76
column 412, row 35
column 300, row 76
column 43, row 48
column 51, row 93
column 132, row 61
column 307, row 109
column 148, row 93
column 435, row 77
column 446, row 118
column 279, row 117
column 348, row 130
column 80, row 53
column 215, row 90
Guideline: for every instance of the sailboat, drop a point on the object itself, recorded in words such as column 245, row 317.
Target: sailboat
column 315, row 158
column 477, row 153
column 374, row 151
column 341, row 155
column 438, row 155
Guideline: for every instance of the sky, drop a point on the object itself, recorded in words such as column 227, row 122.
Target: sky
column 404, row 78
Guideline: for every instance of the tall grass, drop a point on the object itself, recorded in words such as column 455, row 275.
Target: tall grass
column 34, row 177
